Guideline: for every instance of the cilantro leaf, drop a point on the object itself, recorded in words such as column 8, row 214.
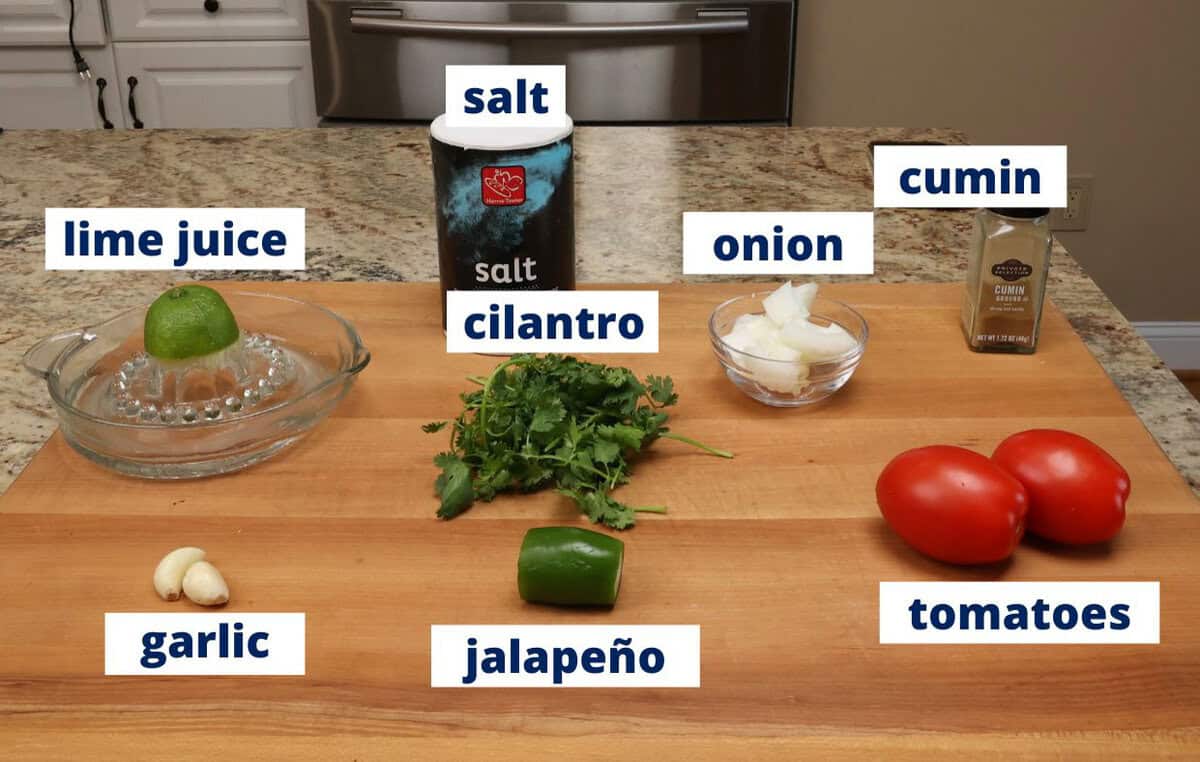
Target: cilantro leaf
column 603, row 509
column 554, row 422
column 453, row 485
column 605, row 451
column 546, row 417
column 624, row 435
column 662, row 390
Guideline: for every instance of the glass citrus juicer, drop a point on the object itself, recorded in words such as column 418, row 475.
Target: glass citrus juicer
column 147, row 415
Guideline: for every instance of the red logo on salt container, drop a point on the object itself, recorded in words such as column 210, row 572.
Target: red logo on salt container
column 503, row 186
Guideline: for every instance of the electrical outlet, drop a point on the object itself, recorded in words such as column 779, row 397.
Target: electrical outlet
column 1075, row 215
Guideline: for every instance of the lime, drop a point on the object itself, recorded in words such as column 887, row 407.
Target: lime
column 189, row 321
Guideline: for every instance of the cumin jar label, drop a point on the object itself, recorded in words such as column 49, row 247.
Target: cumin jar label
column 505, row 208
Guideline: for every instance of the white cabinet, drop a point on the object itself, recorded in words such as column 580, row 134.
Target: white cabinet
column 181, row 63
column 218, row 84
column 39, row 88
column 44, row 22
column 208, row 20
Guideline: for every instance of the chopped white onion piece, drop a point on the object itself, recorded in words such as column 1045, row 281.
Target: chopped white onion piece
column 784, row 341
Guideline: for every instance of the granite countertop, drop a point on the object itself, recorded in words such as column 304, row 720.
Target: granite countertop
column 369, row 197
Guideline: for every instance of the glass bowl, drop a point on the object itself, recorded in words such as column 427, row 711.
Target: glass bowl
column 780, row 383
column 321, row 352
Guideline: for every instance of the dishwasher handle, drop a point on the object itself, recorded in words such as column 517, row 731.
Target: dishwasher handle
column 392, row 22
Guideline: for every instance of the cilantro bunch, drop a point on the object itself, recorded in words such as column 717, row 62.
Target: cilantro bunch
column 554, row 422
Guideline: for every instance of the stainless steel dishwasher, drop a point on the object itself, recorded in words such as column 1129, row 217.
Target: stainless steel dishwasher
column 627, row 62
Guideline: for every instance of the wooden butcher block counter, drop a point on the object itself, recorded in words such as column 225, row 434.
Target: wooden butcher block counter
column 777, row 555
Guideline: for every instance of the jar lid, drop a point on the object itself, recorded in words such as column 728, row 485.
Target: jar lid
column 1022, row 213
column 498, row 139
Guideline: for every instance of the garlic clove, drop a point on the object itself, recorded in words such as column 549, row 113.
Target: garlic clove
column 168, row 575
column 204, row 585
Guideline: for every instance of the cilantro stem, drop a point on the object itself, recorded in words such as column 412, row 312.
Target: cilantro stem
column 481, row 416
column 569, row 463
column 651, row 509
column 694, row 443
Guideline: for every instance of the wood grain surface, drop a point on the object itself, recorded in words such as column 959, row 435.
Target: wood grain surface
column 776, row 554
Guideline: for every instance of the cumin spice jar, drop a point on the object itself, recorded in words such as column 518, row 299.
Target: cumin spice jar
column 1007, row 268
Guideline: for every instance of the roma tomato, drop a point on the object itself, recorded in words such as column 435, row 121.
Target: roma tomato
column 952, row 504
column 1077, row 492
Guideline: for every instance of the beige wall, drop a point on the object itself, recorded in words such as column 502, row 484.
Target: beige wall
column 1118, row 81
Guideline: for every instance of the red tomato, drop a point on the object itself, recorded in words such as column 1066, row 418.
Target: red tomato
column 1077, row 492
column 952, row 504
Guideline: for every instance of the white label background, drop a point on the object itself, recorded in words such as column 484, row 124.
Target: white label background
column 123, row 643
column 460, row 78
column 891, row 161
column 680, row 644
column 895, row 620
column 460, row 304
column 701, row 229
column 165, row 220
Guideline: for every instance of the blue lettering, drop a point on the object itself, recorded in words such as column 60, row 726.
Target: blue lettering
column 1093, row 616
column 181, row 645
column 559, row 326
column 500, row 102
column 631, row 326
column 985, row 616
column 504, row 323
column 647, row 665
column 1040, row 608
column 988, row 616
column 227, row 642
column 585, row 319
column 273, row 243
column 760, row 248
column 501, row 99
column 1065, row 616
column 493, row 661
column 931, row 175
column 565, row 661
column 944, row 613
column 1035, row 180
column 799, row 256
column 150, row 243
column 593, row 660
column 750, row 242
column 971, row 180
column 730, row 246
column 471, row 669
column 474, row 98
column 561, row 662
column 615, row 655
column 152, row 658
column 474, row 333
column 252, row 645
column 539, row 90
column 1017, row 617
column 1120, row 616
column 916, row 608
column 827, row 242
column 536, row 662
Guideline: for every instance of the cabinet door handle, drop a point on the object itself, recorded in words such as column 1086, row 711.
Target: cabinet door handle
column 102, row 83
column 137, row 123
column 212, row 6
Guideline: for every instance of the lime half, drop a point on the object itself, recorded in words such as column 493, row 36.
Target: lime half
column 189, row 321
